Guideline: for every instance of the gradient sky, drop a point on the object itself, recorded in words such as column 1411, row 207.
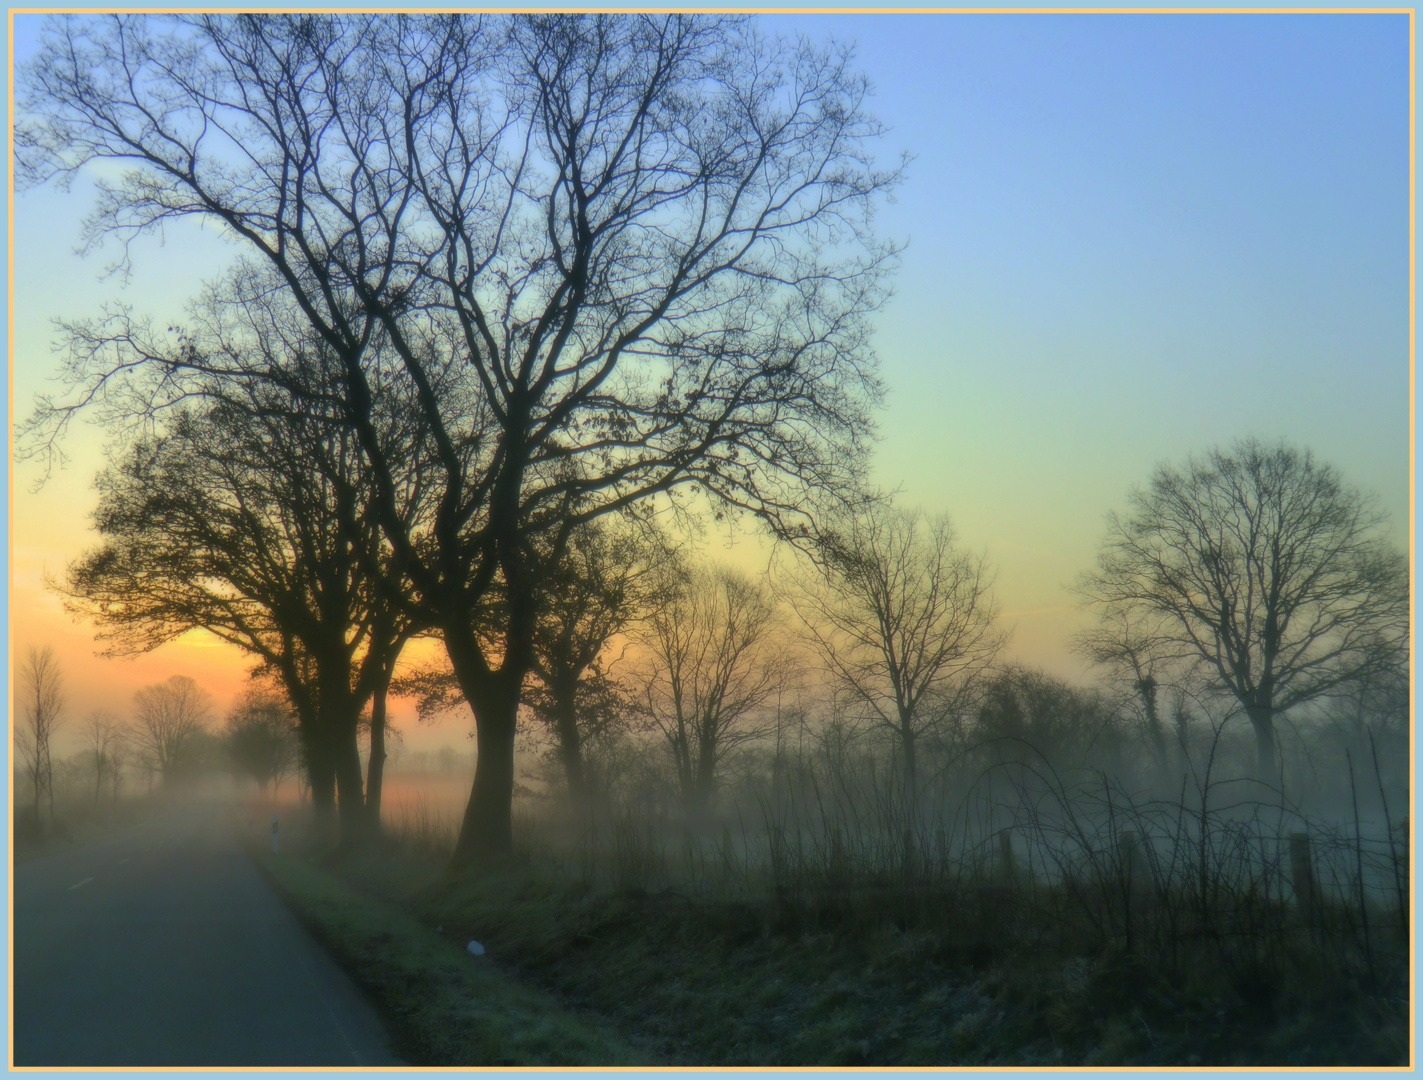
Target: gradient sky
column 1130, row 237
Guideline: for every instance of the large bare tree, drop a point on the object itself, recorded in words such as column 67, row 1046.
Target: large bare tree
column 1267, row 570
column 904, row 620
column 41, row 686
column 641, row 244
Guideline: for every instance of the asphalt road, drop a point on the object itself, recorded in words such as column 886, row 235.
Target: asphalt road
column 163, row 946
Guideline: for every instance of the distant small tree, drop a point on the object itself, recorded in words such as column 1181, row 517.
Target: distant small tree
column 171, row 719
column 1023, row 713
column 712, row 663
column 120, row 754
column 104, row 736
column 1266, row 570
column 904, row 620
column 42, row 687
column 1139, row 659
column 261, row 737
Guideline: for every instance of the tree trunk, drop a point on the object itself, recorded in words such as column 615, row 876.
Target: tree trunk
column 1147, row 688
column 375, row 768
column 487, row 831
column 1262, row 719
column 570, row 745
column 703, row 778
column 350, row 796
column 911, row 774
column 320, row 777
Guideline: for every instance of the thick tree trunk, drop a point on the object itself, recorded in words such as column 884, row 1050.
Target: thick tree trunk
column 487, row 833
column 320, row 775
column 570, row 745
column 1262, row 719
column 703, row 781
column 375, row 768
column 350, row 795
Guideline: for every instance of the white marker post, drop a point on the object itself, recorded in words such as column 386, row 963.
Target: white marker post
column 274, row 834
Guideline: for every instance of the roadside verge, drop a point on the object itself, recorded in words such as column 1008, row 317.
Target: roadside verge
column 444, row 1006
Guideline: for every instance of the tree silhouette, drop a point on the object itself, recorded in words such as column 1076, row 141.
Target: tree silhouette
column 261, row 736
column 42, row 696
column 169, row 720
column 608, row 579
column 640, row 244
column 712, row 663
column 250, row 520
column 104, row 736
column 903, row 619
column 1266, row 570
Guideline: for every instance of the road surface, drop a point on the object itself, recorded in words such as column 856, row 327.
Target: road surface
column 164, row 946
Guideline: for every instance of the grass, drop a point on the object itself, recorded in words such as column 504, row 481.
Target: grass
column 885, row 977
column 1035, row 921
column 443, row 1006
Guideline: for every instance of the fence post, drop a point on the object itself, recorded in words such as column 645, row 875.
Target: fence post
column 910, row 867
column 728, row 866
column 1302, row 875
column 1129, row 852
column 1007, row 865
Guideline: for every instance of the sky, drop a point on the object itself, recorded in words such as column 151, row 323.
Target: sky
column 1129, row 238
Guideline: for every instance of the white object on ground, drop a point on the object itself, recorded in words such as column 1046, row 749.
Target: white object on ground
column 475, row 948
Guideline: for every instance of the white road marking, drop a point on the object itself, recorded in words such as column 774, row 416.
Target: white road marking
column 81, row 884
column 122, row 861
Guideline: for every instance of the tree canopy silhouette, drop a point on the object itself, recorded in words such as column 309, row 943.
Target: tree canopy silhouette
column 639, row 247
column 904, row 620
column 250, row 519
column 1265, row 569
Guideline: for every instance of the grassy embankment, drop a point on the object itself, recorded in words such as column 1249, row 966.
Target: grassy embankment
column 443, row 1006
column 854, row 974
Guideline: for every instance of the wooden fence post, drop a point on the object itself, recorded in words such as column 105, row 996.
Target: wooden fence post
column 1302, row 875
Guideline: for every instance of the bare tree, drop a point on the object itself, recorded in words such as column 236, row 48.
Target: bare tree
column 1027, row 715
column 120, row 754
column 642, row 244
column 170, row 719
column 42, row 687
column 1265, row 569
column 903, row 619
column 104, row 736
column 712, row 663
